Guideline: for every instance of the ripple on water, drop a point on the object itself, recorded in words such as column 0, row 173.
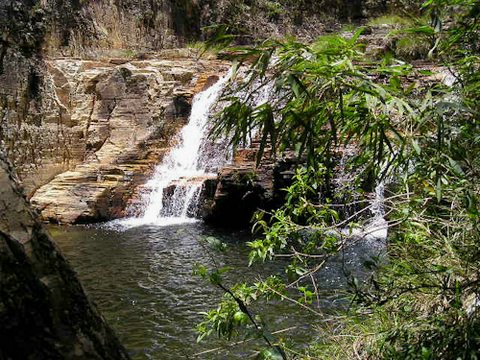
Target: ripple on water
column 141, row 279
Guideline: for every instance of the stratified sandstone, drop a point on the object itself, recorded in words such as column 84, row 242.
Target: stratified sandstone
column 44, row 312
column 116, row 120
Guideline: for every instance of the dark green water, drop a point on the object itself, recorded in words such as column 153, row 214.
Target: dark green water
column 141, row 279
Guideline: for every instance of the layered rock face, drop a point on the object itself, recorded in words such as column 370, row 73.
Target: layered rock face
column 146, row 25
column 80, row 28
column 92, row 129
column 116, row 119
column 44, row 312
column 100, row 123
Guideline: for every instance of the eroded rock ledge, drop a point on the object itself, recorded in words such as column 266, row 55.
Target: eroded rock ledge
column 117, row 120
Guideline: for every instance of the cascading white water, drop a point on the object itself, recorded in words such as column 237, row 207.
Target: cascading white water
column 377, row 227
column 177, row 181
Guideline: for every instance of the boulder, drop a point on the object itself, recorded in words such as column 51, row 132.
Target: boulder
column 44, row 311
column 242, row 188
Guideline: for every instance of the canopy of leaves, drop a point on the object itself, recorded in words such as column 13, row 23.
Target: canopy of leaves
column 420, row 137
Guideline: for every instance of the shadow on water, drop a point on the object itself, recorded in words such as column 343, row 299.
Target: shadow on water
column 141, row 279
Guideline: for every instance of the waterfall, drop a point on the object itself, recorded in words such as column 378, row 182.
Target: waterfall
column 172, row 193
column 377, row 227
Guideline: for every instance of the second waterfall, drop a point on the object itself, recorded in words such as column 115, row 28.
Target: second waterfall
column 173, row 192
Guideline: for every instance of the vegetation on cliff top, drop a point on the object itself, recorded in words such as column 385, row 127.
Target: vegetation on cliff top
column 419, row 137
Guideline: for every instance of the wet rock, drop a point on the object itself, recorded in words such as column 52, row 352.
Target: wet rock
column 242, row 188
column 44, row 311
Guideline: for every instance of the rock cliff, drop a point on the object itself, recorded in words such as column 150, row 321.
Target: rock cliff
column 76, row 27
column 147, row 25
column 44, row 312
column 113, row 122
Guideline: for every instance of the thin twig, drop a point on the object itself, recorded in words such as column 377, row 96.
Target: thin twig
column 285, row 297
column 241, row 342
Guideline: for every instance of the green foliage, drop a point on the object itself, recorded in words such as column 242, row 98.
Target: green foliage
column 215, row 243
column 393, row 20
column 274, row 10
column 410, row 37
column 218, row 37
column 321, row 100
column 424, row 302
column 232, row 317
column 22, row 28
column 412, row 47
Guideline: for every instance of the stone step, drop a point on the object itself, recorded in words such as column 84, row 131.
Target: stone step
column 195, row 180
